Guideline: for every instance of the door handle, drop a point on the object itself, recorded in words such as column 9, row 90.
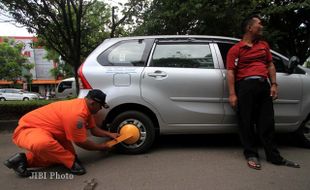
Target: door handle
column 157, row 74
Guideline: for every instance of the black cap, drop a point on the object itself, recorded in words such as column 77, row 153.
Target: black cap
column 98, row 96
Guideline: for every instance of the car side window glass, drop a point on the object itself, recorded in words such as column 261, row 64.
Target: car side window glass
column 182, row 55
column 64, row 85
column 279, row 64
column 126, row 53
column 224, row 48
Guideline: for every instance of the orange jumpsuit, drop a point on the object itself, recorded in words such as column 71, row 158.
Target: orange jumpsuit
column 48, row 132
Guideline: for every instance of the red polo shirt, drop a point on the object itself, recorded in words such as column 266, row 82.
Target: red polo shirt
column 249, row 61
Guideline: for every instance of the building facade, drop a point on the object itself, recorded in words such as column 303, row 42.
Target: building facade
column 42, row 79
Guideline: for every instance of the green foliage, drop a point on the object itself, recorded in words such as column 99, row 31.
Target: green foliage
column 94, row 30
column 11, row 61
column 287, row 22
column 307, row 63
column 16, row 109
column 27, row 74
column 62, row 70
column 57, row 22
column 288, row 26
column 195, row 17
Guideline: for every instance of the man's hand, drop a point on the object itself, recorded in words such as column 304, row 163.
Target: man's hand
column 113, row 135
column 274, row 91
column 96, row 131
column 104, row 146
column 233, row 100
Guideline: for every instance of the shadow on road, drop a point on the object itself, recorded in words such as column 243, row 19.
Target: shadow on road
column 213, row 141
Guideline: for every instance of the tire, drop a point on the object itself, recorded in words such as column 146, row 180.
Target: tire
column 303, row 133
column 145, row 126
column 2, row 99
column 25, row 99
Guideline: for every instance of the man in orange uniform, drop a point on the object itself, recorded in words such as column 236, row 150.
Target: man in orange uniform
column 48, row 132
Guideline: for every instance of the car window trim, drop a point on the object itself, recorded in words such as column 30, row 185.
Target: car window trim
column 181, row 41
column 148, row 44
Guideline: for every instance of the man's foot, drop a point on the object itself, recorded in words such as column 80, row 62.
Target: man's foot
column 18, row 162
column 77, row 168
column 285, row 162
column 254, row 163
column 289, row 163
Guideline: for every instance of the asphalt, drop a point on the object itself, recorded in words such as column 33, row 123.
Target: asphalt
column 8, row 125
column 175, row 162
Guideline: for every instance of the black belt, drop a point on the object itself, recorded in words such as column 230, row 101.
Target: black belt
column 259, row 78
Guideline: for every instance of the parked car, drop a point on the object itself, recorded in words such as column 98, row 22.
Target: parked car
column 66, row 88
column 177, row 84
column 17, row 94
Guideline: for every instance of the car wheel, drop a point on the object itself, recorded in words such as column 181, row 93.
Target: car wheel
column 145, row 128
column 2, row 99
column 25, row 99
column 303, row 133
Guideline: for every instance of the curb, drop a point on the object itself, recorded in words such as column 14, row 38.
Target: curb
column 8, row 125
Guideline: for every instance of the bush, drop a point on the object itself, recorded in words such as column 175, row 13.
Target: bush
column 16, row 109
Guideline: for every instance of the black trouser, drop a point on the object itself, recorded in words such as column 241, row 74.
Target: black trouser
column 255, row 108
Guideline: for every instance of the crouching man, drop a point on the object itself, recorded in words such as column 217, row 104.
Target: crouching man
column 48, row 132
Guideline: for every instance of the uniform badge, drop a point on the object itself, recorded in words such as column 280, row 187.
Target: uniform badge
column 79, row 124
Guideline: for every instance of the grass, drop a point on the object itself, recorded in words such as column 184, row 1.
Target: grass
column 10, row 110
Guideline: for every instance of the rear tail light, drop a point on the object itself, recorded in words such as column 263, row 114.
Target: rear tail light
column 82, row 80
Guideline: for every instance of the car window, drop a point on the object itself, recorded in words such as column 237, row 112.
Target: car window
column 182, row 55
column 10, row 91
column 279, row 64
column 224, row 48
column 64, row 85
column 126, row 53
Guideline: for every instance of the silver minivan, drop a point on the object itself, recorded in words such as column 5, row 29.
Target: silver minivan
column 177, row 85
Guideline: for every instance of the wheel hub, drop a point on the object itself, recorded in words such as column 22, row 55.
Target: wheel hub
column 133, row 131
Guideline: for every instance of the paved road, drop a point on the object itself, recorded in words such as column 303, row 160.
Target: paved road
column 176, row 162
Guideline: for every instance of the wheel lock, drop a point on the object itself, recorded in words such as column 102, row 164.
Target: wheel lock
column 129, row 134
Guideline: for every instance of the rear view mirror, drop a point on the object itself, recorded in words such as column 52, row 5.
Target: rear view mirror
column 292, row 64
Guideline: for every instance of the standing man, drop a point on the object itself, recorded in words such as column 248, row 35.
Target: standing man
column 249, row 67
column 48, row 132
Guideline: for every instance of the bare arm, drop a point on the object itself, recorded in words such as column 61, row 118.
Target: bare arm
column 96, row 131
column 273, row 81
column 90, row 145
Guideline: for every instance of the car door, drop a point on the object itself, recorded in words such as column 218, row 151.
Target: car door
column 287, row 106
column 183, row 83
column 11, row 94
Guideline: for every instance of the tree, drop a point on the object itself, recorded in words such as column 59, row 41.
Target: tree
column 287, row 22
column 59, row 23
column 72, row 28
column 131, row 15
column 195, row 17
column 27, row 74
column 288, row 26
column 11, row 61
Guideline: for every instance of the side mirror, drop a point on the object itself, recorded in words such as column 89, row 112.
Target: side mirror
column 292, row 64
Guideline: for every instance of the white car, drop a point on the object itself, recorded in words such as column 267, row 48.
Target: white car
column 17, row 94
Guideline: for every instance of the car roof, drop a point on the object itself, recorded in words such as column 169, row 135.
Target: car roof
column 207, row 37
column 68, row 79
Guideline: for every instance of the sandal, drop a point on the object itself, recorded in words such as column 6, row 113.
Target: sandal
column 254, row 163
